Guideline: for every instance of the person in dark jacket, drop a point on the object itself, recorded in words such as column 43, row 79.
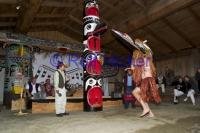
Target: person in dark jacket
column 183, row 86
column 179, row 89
column 128, row 88
column 190, row 91
column 197, row 77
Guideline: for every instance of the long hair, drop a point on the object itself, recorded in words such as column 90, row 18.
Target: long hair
column 137, row 71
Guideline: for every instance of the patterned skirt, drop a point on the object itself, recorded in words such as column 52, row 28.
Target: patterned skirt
column 149, row 90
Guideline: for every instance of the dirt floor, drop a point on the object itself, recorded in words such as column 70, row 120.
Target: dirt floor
column 170, row 118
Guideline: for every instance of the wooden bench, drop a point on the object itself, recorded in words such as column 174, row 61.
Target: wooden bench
column 73, row 104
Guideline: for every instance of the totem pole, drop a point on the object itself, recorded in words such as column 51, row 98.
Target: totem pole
column 92, row 57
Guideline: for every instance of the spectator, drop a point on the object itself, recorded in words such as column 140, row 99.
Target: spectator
column 183, row 87
column 128, row 88
column 33, row 90
column 179, row 89
column 197, row 77
column 161, row 81
column 49, row 89
column 60, row 91
column 190, row 91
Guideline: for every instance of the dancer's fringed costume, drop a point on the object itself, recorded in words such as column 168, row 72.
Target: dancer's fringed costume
column 144, row 73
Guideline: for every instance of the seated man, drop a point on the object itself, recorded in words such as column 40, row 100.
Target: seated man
column 181, row 88
column 49, row 89
column 190, row 91
column 33, row 90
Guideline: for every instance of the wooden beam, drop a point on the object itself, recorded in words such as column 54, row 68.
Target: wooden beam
column 50, row 16
column 48, row 23
column 28, row 12
column 112, row 8
column 141, row 3
column 70, row 33
column 8, row 1
column 8, row 15
column 177, row 31
column 149, row 31
column 78, row 21
column 194, row 14
column 49, row 3
column 159, row 10
column 7, row 24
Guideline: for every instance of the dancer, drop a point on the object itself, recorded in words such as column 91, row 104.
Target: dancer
column 144, row 77
column 143, row 72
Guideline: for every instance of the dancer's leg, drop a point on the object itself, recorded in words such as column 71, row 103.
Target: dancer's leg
column 136, row 93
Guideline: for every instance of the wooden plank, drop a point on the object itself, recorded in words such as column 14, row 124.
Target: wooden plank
column 7, row 24
column 194, row 14
column 180, row 33
column 157, row 11
column 49, row 3
column 148, row 30
column 8, row 1
column 28, row 12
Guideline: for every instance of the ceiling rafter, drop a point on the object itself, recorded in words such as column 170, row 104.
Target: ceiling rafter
column 194, row 14
column 140, row 3
column 177, row 31
column 156, row 12
column 28, row 12
column 112, row 8
column 162, row 41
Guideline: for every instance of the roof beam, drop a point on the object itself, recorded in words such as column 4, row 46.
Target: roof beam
column 7, row 24
column 141, row 3
column 28, row 12
column 8, row 1
column 8, row 15
column 49, row 3
column 194, row 14
column 72, row 33
column 177, row 31
column 112, row 8
column 78, row 21
column 149, row 31
column 159, row 10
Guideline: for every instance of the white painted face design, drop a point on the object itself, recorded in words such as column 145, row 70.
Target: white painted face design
column 89, row 28
column 100, row 82
column 90, row 82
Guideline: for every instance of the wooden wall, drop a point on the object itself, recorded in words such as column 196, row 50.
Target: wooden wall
column 181, row 65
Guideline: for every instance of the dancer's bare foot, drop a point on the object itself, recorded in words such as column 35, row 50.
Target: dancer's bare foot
column 151, row 114
column 145, row 113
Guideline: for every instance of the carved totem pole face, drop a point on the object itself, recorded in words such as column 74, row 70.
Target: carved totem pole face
column 92, row 58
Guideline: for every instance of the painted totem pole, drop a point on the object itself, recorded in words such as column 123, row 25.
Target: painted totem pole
column 92, row 57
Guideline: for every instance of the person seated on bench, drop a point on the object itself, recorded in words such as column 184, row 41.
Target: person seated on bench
column 49, row 89
column 183, row 87
column 33, row 90
column 189, row 89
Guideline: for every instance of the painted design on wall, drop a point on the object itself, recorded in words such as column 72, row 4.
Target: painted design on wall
column 18, row 57
column 92, row 56
column 45, row 65
column 11, row 38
